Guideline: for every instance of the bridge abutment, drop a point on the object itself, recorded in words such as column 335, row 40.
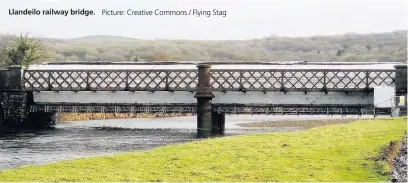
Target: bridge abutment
column 401, row 88
column 15, row 103
column 13, row 98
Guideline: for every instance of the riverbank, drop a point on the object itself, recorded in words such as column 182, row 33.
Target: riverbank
column 399, row 173
column 63, row 117
column 341, row 152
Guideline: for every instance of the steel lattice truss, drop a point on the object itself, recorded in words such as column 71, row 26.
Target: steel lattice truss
column 192, row 109
column 221, row 80
column 83, row 80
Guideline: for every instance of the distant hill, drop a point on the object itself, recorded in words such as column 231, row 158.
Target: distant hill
column 389, row 46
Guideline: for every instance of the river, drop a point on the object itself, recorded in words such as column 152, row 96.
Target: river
column 69, row 140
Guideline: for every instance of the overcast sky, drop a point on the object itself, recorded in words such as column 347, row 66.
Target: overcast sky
column 244, row 19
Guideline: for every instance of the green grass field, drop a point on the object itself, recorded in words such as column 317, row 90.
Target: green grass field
column 342, row 152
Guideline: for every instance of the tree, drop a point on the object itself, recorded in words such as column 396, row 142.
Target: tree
column 22, row 50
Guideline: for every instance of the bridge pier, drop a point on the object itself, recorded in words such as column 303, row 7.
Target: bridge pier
column 204, row 101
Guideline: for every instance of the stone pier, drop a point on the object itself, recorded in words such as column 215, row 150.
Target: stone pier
column 15, row 103
column 401, row 88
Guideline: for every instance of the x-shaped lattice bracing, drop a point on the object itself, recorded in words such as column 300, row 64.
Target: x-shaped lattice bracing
column 36, row 80
column 304, row 79
column 183, row 79
column 257, row 80
column 344, row 79
column 381, row 78
column 147, row 80
column 225, row 79
column 347, row 79
column 107, row 79
column 68, row 79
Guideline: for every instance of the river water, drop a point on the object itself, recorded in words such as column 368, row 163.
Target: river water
column 69, row 140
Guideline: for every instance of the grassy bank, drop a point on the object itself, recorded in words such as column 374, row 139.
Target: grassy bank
column 94, row 116
column 298, row 123
column 342, row 152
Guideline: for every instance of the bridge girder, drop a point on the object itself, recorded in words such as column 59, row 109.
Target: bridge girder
column 220, row 108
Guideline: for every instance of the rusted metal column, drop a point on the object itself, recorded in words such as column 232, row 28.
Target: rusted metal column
column 401, row 88
column 204, row 96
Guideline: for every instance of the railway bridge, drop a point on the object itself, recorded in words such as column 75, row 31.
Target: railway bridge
column 30, row 97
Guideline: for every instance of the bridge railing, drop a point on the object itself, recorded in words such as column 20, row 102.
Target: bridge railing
column 300, row 80
column 111, row 80
column 221, row 80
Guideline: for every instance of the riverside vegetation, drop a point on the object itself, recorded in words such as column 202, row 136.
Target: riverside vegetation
column 356, row 151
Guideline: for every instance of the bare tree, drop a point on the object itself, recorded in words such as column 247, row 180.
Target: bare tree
column 22, row 50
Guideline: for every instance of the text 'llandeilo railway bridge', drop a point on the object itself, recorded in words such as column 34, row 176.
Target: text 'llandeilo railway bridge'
column 209, row 90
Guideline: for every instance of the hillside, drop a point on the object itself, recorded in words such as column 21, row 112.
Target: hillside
column 389, row 46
